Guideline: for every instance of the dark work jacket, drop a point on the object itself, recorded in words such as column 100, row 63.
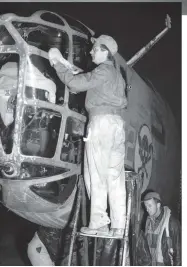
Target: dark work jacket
column 105, row 88
column 174, row 241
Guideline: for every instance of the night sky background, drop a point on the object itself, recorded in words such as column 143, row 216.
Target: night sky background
column 133, row 25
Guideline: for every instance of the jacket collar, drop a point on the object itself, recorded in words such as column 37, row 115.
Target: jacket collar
column 108, row 62
column 157, row 218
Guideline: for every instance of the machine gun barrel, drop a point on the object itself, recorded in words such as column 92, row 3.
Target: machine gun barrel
column 146, row 48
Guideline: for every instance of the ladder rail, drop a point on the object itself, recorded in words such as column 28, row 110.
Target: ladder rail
column 81, row 203
column 74, row 232
column 84, row 222
column 126, row 237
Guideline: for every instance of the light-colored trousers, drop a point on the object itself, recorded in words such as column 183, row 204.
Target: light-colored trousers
column 104, row 170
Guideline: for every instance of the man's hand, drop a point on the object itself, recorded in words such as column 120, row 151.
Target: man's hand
column 54, row 56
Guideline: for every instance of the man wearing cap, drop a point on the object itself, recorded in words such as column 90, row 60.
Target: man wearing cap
column 105, row 146
column 162, row 231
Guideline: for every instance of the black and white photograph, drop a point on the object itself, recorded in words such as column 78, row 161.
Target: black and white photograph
column 90, row 133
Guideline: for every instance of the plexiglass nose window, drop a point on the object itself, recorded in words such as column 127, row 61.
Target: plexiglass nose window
column 76, row 25
column 81, row 53
column 43, row 37
column 5, row 37
column 9, row 70
column 40, row 130
column 72, row 144
column 81, row 59
column 42, row 82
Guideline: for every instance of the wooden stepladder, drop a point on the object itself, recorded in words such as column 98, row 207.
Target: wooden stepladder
column 124, row 258
column 80, row 203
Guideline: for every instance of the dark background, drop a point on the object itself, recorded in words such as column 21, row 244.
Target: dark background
column 133, row 25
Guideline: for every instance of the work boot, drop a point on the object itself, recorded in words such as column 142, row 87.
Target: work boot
column 117, row 232
column 103, row 231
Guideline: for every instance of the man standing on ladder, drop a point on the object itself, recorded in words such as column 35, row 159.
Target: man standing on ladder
column 104, row 172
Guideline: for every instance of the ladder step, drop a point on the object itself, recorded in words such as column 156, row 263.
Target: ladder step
column 100, row 235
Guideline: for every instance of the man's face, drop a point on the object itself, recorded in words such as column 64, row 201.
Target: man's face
column 151, row 206
column 98, row 56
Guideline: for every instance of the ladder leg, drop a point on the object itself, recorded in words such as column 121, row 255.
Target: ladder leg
column 95, row 252
column 126, row 238
column 74, row 232
column 84, row 222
